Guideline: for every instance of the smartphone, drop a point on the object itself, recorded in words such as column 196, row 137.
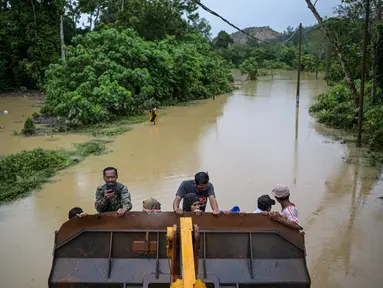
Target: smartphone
column 110, row 187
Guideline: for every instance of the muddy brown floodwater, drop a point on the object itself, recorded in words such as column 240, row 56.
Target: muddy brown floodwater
column 246, row 141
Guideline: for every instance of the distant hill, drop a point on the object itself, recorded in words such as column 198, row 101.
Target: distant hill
column 262, row 33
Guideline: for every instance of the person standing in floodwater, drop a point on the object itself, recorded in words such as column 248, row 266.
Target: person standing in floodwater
column 153, row 115
column 202, row 188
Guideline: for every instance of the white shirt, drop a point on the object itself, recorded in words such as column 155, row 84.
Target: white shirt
column 291, row 213
column 258, row 211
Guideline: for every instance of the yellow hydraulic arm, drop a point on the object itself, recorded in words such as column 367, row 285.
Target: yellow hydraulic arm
column 188, row 267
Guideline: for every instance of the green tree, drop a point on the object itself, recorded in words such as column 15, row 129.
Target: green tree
column 250, row 67
column 29, row 41
column 112, row 73
column 223, row 40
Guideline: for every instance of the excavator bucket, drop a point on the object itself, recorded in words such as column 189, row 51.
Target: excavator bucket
column 133, row 251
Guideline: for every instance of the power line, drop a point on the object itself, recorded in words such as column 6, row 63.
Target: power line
column 284, row 42
column 234, row 26
column 223, row 19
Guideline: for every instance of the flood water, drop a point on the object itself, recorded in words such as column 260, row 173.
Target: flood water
column 246, row 141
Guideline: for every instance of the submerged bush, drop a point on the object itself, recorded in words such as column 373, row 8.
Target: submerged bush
column 89, row 148
column 273, row 64
column 22, row 172
column 29, row 127
column 114, row 73
column 250, row 67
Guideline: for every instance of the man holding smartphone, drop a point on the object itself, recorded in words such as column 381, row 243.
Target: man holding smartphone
column 112, row 196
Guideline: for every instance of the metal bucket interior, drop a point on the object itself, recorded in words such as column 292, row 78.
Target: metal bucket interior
column 234, row 251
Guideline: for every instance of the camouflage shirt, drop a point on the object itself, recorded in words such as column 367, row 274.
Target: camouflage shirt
column 120, row 200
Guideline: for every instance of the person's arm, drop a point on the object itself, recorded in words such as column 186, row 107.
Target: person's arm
column 126, row 199
column 177, row 200
column 213, row 203
column 176, row 204
column 289, row 223
column 101, row 203
column 284, row 220
column 213, row 200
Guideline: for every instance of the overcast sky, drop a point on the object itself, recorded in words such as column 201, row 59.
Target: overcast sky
column 278, row 14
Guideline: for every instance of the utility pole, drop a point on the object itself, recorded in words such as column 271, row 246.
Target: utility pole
column 361, row 97
column 62, row 42
column 298, row 81
column 215, row 80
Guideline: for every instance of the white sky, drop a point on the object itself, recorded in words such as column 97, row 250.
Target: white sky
column 278, row 14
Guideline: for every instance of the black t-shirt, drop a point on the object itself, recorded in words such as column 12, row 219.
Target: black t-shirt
column 188, row 186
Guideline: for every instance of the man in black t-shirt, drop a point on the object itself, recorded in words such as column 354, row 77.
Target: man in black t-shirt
column 200, row 186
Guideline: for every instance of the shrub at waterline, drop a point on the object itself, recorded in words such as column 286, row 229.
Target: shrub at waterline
column 337, row 109
column 114, row 73
column 29, row 127
column 250, row 67
column 22, row 172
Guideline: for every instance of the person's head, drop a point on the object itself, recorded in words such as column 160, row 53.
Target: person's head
column 265, row 203
column 191, row 202
column 201, row 181
column 151, row 204
column 74, row 212
column 281, row 193
column 110, row 175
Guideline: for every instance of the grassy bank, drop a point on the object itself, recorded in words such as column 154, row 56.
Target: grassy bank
column 25, row 171
column 337, row 109
column 51, row 125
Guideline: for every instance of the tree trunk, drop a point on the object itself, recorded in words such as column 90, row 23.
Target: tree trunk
column 374, row 67
column 97, row 15
column 316, row 66
column 122, row 5
column 333, row 38
column 34, row 16
column 90, row 21
column 62, row 38
column 327, row 65
column 374, row 53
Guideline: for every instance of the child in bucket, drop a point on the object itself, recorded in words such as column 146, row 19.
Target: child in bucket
column 192, row 203
column 76, row 211
column 151, row 205
column 264, row 204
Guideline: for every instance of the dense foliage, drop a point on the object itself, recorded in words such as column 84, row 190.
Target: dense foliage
column 249, row 67
column 22, row 172
column 336, row 108
column 19, row 173
column 116, row 73
column 339, row 107
column 29, row 41
column 30, row 30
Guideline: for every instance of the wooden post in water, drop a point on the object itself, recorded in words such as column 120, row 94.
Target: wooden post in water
column 361, row 97
column 298, row 82
column 215, row 80
column 316, row 66
column 327, row 65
